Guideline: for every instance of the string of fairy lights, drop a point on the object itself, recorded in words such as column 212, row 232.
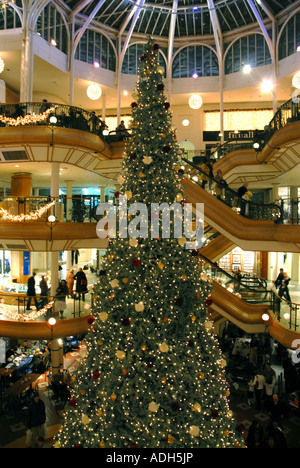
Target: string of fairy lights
column 26, row 317
column 28, row 119
column 33, row 216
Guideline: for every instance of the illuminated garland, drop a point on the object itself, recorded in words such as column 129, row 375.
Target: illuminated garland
column 26, row 217
column 29, row 317
column 27, row 119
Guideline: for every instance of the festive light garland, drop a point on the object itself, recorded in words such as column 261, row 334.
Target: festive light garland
column 26, row 217
column 27, row 119
column 29, row 317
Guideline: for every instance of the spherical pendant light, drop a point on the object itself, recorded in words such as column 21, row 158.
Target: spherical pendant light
column 296, row 80
column 94, row 92
column 195, row 101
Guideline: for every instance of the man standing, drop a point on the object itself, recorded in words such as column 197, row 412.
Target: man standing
column 279, row 278
column 36, row 419
column 31, row 292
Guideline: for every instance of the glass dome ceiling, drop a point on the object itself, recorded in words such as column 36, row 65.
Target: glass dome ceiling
column 188, row 17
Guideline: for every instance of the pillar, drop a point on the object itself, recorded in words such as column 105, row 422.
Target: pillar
column 55, row 357
column 275, row 192
column 103, row 106
column 69, row 200
column 102, row 194
column 55, row 187
column 295, row 267
column 21, row 184
column 294, row 204
column 26, row 80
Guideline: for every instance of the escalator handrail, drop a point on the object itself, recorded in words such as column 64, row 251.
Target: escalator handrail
column 269, row 206
column 229, row 276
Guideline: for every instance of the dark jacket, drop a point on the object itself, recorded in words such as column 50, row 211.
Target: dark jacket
column 81, row 282
column 31, row 287
column 36, row 414
column 278, row 280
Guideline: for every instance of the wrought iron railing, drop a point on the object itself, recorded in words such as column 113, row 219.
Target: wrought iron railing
column 78, row 209
column 246, row 208
column 291, row 209
column 52, row 115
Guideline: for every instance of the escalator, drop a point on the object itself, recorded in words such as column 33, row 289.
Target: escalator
column 259, row 228
column 245, row 305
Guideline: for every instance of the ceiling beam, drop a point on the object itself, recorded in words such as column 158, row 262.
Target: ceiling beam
column 264, row 30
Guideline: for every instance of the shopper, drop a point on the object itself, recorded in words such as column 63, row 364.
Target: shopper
column 250, row 393
column 36, row 419
column 70, row 282
column 283, row 288
column 279, row 278
column 60, row 297
column 81, row 283
column 31, row 294
column 255, row 435
column 121, row 130
column 270, row 380
column 220, row 185
column 258, row 383
column 205, row 174
column 276, row 411
column 44, row 293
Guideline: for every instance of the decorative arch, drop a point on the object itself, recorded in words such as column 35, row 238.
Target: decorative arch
column 238, row 38
column 196, row 44
column 283, row 28
column 136, row 43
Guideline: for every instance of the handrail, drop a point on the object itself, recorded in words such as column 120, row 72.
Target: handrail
column 246, row 208
column 40, row 113
column 81, row 207
column 231, row 278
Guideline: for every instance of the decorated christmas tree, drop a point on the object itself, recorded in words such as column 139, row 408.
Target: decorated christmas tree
column 154, row 376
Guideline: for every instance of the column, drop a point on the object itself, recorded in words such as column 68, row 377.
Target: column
column 26, row 79
column 69, row 200
column 54, row 255
column 55, row 187
column 295, row 267
column 275, row 192
column 55, row 357
column 294, row 203
column 103, row 106
column 102, row 194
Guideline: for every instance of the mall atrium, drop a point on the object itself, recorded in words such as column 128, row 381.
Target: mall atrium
column 68, row 76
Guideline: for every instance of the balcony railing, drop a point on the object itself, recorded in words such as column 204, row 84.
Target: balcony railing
column 14, row 307
column 78, row 209
column 57, row 115
column 229, row 197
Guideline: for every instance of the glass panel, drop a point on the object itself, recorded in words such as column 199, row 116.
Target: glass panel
column 260, row 60
column 199, row 60
column 191, row 61
column 237, row 56
column 291, row 37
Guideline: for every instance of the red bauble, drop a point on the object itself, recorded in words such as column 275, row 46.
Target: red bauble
column 156, row 46
column 96, row 375
column 91, row 320
column 136, row 262
column 117, row 194
column 72, row 403
column 208, row 301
